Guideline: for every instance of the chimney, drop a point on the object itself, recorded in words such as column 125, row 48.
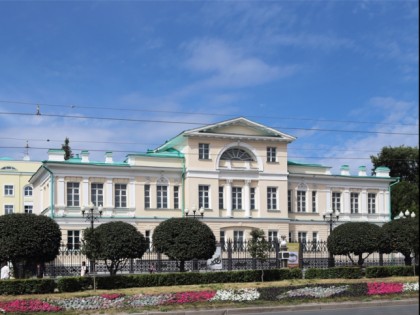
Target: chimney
column 382, row 171
column 85, row 156
column 362, row 171
column 108, row 157
column 56, row 155
column 344, row 170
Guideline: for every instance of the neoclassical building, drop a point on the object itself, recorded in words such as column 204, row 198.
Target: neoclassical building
column 235, row 172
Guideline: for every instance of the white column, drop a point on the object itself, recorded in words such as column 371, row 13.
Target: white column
column 328, row 203
column 132, row 194
column 229, row 198
column 109, row 193
column 381, row 200
column 386, row 209
column 41, row 201
column 60, row 192
column 363, row 202
column 247, row 196
column 346, row 201
column 85, row 192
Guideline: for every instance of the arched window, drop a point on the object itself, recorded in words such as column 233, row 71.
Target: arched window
column 236, row 154
column 27, row 191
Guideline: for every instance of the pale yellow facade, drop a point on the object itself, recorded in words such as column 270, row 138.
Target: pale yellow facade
column 16, row 194
column 237, row 171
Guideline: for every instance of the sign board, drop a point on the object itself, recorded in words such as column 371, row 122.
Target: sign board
column 215, row 263
column 293, row 260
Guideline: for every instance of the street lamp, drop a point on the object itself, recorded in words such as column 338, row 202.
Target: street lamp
column 92, row 215
column 194, row 210
column 330, row 217
column 405, row 215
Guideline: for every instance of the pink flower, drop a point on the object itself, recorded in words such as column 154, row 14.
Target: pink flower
column 26, row 306
column 191, row 297
column 384, row 288
column 111, row 296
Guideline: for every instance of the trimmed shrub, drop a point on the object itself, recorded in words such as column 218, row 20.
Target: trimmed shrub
column 390, row 271
column 74, row 284
column 334, row 273
column 27, row 286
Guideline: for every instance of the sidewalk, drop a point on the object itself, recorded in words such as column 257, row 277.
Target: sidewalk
column 306, row 306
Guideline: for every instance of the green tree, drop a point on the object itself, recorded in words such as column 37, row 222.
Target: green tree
column 28, row 240
column 354, row 238
column 184, row 239
column 259, row 248
column 115, row 243
column 401, row 236
column 403, row 162
column 67, row 150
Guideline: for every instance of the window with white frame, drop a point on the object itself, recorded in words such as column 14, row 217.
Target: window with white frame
column 8, row 209
column 289, row 201
column 27, row 191
column 302, row 237
column 203, row 196
column 315, row 240
column 238, row 240
column 314, row 203
column 162, row 197
column 148, row 237
column 73, row 239
column 315, row 237
column 271, row 154
column 120, row 192
column 336, row 201
column 301, row 201
column 271, row 198
column 221, row 198
column 8, row 190
column 28, row 208
column 371, row 203
column 97, row 194
column 176, row 197
column 73, row 194
column 203, row 151
column 252, row 198
column 354, row 202
column 222, row 240
column 236, row 198
column 146, row 196
column 272, row 236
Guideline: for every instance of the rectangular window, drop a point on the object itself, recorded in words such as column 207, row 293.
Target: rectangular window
column 289, row 201
column 203, row 196
column 371, row 203
column 73, row 194
column 203, row 151
column 176, row 197
column 271, row 154
column 314, row 207
column 146, row 196
column 162, row 197
column 271, row 198
column 148, row 237
column 302, row 237
column 222, row 240
column 238, row 240
column 236, row 198
column 221, row 198
column 120, row 195
column 301, row 201
column 73, row 240
column 315, row 237
column 252, row 198
column 8, row 209
column 97, row 194
column 272, row 236
column 290, row 237
column 315, row 245
column 354, row 202
column 336, row 201
column 8, row 190
column 28, row 208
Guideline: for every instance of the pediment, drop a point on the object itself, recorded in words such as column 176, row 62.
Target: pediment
column 240, row 127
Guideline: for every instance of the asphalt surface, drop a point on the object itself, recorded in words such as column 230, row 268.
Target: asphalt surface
column 276, row 309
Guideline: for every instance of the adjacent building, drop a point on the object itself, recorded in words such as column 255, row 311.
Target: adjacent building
column 236, row 172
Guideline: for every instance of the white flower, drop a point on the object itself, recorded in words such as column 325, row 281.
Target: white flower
column 236, row 295
column 318, row 292
column 414, row 286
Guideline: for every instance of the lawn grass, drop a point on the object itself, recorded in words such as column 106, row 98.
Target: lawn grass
column 214, row 305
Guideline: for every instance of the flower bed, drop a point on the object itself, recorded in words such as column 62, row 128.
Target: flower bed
column 114, row 300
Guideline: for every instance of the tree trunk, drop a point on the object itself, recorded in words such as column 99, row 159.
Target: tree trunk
column 182, row 266
column 360, row 261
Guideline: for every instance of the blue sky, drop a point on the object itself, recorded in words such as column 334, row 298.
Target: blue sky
column 341, row 76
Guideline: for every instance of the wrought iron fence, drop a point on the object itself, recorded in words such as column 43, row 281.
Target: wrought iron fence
column 234, row 256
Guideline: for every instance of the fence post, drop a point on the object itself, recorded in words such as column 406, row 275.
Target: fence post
column 229, row 251
column 277, row 249
column 300, row 255
column 131, row 265
column 159, row 262
column 381, row 259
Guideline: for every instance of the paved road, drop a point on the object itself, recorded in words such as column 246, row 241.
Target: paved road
column 384, row 307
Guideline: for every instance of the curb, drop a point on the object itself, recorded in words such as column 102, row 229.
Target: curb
column 300, row 307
